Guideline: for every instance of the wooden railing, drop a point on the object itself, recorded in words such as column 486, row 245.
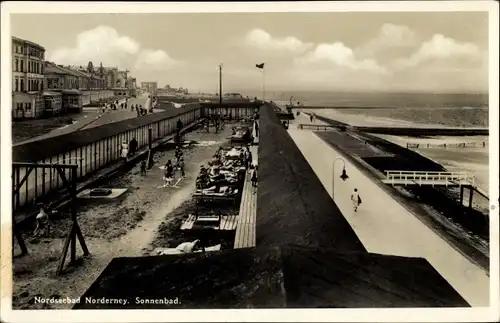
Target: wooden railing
column 316, row 127
column 426, row 178
column 447, row 145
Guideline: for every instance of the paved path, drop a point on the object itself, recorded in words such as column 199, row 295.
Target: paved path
column 112, row 116
column 383, row 225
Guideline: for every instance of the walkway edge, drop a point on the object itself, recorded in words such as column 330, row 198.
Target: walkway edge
column 359, row 165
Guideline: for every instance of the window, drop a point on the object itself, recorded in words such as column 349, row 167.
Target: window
column 22, row 65
column 22, row 85
column 41, row 86
column 19, row 107
column 17, row 85
column 27, row 106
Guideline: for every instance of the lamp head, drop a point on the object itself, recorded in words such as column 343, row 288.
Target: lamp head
column 344, row 176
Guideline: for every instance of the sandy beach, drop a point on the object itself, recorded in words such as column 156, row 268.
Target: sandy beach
column 473, row 160
column 363, row 120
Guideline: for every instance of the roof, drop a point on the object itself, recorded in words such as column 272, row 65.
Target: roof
column 71, row 91
column 51, row 68
column 28, row 42
column 282, row 277
column 292, row 204
column 37, row 150
column 51, row 93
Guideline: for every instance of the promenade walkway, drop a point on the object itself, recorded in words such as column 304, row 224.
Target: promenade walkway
column 383, row 225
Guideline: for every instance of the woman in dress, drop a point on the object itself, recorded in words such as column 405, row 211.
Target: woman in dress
column 124, row 152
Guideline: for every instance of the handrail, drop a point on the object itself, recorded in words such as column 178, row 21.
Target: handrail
column 428, row 176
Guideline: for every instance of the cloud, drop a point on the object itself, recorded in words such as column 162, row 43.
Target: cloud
column 443, row 50
column 259, row 38
column 396, row 57
column 338, row 55
column 104, row 44
column 389, row 37
column 157, row 59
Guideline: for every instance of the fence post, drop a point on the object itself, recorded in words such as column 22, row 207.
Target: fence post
column 150, row 138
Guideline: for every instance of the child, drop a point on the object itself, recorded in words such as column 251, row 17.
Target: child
column 143, row 168
column 356, row 200
column 42, row 220
column 169, row 173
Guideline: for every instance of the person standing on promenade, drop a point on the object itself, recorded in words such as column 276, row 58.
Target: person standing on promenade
column 254, row 177
column 356, row 200
column 247, row 159
column 133, row 146
column 124, row 150
column 180, row 164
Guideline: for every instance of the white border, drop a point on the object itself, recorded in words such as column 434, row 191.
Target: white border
column 296, row 315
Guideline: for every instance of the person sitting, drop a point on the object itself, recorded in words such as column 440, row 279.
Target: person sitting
column 42, row 220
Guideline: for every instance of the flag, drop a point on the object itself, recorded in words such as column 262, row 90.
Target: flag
column 261, row 66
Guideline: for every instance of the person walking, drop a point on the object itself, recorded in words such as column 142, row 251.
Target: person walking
column 254, row 177
column 356, row 199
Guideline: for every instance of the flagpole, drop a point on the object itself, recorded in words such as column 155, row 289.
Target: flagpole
column 263, row 83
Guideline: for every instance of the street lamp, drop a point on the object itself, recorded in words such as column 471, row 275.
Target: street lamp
column 343, row 176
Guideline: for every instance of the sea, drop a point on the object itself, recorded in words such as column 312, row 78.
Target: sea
column 451, row 110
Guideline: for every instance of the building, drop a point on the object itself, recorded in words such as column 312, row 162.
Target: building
column 150, row 87
column 131, row 83
column 27, row 79
column 58, row 77
column 66, row 82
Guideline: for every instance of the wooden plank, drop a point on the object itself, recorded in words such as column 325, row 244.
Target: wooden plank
column 245, row 227
column 188, row 224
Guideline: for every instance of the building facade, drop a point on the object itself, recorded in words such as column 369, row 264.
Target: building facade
column 150, row 87
column 57, row 77
column 27, row 79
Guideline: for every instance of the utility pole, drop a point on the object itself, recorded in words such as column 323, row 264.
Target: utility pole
column 220, row 83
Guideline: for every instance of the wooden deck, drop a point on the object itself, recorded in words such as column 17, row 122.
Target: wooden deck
column 227, row 223
column 245, row 230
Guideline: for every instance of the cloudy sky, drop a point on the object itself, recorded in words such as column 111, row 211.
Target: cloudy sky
column 436, row 52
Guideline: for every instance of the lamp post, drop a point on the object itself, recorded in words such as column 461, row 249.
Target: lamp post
column 343, row 176
column 220, row 83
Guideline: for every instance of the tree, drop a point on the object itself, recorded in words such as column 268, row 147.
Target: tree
column 90, row 68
